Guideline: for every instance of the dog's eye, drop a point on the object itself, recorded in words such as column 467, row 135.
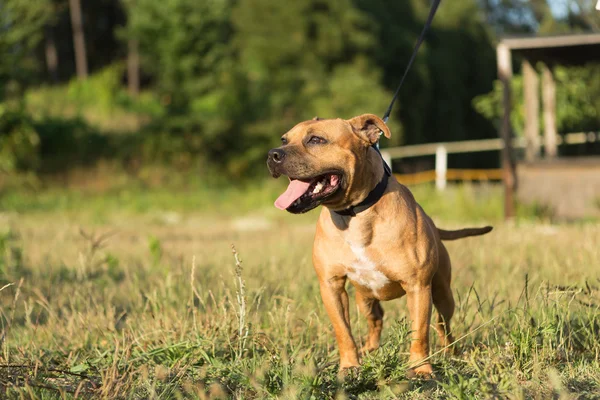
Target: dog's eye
column 283, row 140
column 317, row 140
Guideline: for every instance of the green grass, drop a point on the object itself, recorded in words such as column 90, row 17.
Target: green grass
column 123, row 194
column 147, row 301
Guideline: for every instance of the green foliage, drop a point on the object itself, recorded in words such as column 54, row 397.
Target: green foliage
column 19, row 141
column 11, row 257
column 21, row 24
column 155, row 249
column 183, row 43
column 343, row 96
column 577, row 100
column 101, row 100
column 222, row 79
column 490, row 105
column 455, row 64
column 237, row 82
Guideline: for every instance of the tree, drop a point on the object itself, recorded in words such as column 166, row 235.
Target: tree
column 21, row 27
column 306, row 58
column 78, row 38
column 181, row 43
column 133, row 52
column 583, row 15
column 455, row 64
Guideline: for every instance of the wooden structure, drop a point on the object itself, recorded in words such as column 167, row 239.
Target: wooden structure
column 542, row 52
column 549, row 50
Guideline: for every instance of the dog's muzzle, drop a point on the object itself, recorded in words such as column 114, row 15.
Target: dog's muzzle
column 276, row 156
column 274, row 160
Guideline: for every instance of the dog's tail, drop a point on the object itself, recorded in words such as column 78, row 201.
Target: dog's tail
column 463, row 233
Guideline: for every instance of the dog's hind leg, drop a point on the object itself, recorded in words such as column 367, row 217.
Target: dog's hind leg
column 418, row 299
column 372, row 310
column 442, row 298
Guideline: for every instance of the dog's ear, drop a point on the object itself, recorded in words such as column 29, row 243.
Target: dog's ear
column 369, row 127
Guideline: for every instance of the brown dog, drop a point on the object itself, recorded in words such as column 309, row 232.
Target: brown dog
column 371, row 232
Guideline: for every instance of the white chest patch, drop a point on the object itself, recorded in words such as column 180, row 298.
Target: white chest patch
column 365, row 272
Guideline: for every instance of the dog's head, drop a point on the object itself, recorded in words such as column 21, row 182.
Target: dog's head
column 323, row 158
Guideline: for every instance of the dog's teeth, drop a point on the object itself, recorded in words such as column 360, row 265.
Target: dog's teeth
column 318, row 187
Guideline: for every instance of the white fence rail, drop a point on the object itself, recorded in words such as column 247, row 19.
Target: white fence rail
column 441, row 150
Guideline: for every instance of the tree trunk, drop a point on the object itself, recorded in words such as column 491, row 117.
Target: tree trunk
column 78, row 39
column 133, row 68
column 51, row 54
column 532, row 111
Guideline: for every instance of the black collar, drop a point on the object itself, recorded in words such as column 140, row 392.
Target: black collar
column 373, row 196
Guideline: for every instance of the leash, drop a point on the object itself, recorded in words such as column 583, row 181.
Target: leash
column 432, row 10
column 375, row 194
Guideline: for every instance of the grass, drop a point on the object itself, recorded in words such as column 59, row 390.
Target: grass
column 137, row 294
column 156, row 192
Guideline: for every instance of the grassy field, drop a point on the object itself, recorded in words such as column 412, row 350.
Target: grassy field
column 136, row 293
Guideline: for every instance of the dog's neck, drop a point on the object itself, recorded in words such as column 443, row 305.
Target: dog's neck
column 372, row 177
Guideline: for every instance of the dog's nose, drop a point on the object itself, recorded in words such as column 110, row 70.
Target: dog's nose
column 277, row 155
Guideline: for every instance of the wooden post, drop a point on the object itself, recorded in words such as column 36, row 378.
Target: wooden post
column 549, row 100
column 504, row 62
column 441, row 167
column 78, row 39
column 532, row 111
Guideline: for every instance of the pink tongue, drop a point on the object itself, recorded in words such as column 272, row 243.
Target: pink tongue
column 295, row 189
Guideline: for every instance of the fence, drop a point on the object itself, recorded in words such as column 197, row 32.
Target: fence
column 442, row 174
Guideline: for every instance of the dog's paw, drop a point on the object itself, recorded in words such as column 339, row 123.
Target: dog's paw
column 346, row 373
column 423, row 371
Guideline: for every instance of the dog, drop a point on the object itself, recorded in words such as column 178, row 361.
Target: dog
column 370, row 231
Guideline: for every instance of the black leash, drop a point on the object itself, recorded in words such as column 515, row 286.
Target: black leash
column 434, row 7
column 375, row 194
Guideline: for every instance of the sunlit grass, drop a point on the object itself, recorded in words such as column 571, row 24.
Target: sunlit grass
column 146, row 302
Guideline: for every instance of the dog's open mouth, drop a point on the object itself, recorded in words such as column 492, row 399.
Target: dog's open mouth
column 303, row 195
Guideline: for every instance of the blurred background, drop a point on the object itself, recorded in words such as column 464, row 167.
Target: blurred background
column 133, row 143
column 122, row 94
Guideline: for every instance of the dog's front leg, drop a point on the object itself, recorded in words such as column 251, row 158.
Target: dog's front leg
column 419, row 307
column 335, row 298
